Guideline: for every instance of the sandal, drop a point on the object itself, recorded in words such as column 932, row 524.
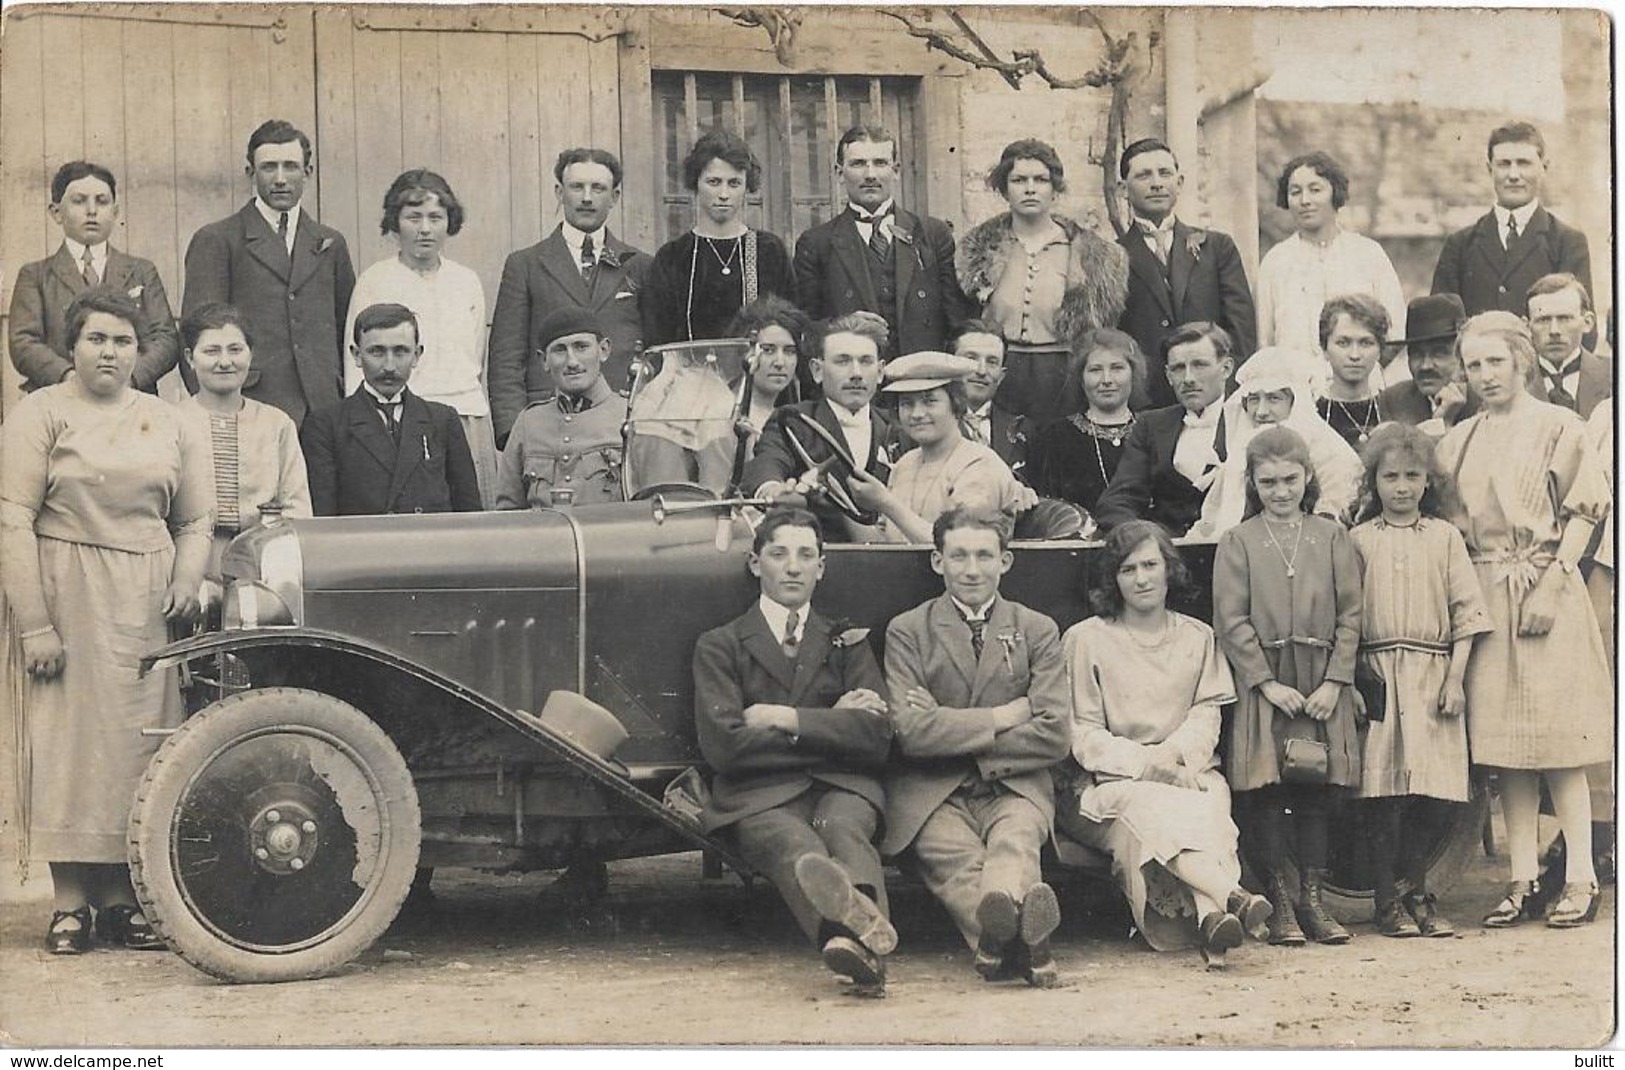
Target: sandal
column 1577, row 906
column 123, row 925
column 1514, row 907
column 61, row 940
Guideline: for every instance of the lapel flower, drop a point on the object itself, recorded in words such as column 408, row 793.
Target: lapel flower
column 902, row 235
column 1009, row 640
column 1193, row 243
column 843, row 635
column 609, row 258
column 135, row 292
column 326, row 244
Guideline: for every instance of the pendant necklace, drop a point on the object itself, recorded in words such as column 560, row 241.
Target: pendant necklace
column 1373, row 417
column 1116, row 433
column 1275, row 541
column 733, row 251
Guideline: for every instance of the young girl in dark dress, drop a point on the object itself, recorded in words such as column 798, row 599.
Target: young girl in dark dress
column 1286, row 607
column 1074, row 458
column 700, row 281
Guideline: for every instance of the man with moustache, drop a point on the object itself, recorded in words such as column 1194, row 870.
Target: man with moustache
column 1177, row 274
column 1492, row 263
column 1173, row 454
column 990, row 423
column 880, row 258
column 289, row 276
column 1434, row 397
column 1570, row 374
column 581, row 265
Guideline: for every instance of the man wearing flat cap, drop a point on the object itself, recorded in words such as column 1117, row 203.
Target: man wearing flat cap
column 566, row 449
column 1434, row 392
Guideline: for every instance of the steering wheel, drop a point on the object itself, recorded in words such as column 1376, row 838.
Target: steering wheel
column 829, row 476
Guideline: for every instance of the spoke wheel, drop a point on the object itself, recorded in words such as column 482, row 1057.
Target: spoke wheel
column 274, row 836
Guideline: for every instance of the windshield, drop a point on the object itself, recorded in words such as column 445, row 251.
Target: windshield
column 680, row 424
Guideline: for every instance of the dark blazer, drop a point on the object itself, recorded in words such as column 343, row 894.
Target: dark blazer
column 1146, row 485
column 929, row 646
column 357, row 470
column 740, row 664
column 1211, row 286
column 1474, row 265
column 1010, row 434
column 832, row 278
column 295, row 307
column 39, row 317
column 540, row 279
column 775, row 461
column 1404, row 403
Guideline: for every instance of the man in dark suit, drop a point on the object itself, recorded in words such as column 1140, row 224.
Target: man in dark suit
column 982, row 710
column 580, row 265
column 791, row 719
column 1177, row 274
column 1434, row 397
column 1492, row 263
column 1568, row 374
column 847, row 369
column 84, row 203
column 990, row 423
column 880, row 258
column 287, row 274
column 1173, row 454
column 383, row 449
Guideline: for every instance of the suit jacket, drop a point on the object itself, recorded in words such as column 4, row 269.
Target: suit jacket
column 39, row 317
column 1010, row 436
column 1211, row 286
column 1146, row 485
column 832, row 268
column 740, row 664
column 1405, row 404
column 540, row 279
column 1596, row 383
column 775, row 460
column 295, row 307
column 929, row 646
column 1475, row 266
column 356, row 469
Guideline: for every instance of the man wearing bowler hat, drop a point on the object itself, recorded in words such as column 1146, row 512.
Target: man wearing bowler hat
column 566, row 449
column 789, row 714
column 1434, row 392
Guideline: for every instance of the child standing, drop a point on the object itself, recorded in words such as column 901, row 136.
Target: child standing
column 1286, row 605
column 1422, row 610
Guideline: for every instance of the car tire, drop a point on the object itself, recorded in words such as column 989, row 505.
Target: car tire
column 274, row 836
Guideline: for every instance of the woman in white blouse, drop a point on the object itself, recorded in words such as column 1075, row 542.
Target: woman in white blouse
column 1319, row 260
column 422, row 212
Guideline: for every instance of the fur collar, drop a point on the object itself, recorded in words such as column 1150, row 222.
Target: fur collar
column 1099, row 270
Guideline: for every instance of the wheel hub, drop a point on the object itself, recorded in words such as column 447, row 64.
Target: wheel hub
column 284, row 837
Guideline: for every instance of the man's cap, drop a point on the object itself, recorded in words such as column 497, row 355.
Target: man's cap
column 926, row 370
column 1433, row 319
column 562, row 322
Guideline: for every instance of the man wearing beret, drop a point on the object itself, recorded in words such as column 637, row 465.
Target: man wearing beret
column 1433, row 397
column 567, row 447
column 789, row 715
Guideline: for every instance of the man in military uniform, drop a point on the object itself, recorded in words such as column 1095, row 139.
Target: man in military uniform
column 567, row 447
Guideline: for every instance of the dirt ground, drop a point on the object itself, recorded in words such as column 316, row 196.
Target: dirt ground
column 691, row 961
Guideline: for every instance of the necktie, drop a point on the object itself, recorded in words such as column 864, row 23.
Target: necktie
column 282, row 228
column 1555, row 393
column 589, row 259
column 391, row 411
column 790, row 644
column 978, row 634
column 878, row 242
column 88, row 270
column 1161, row 241
column 1512, row 232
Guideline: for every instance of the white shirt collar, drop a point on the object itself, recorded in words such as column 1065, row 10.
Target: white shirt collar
column 376, row 396
column 1147, row 227
column 778, row 616
column 983, row 413
column 1522, row 215
column 271, row 215
column 98, row 255
column 573, row 236
column 1209, row 417
column 1550, row 369
column 985, row 612
column 847, row 418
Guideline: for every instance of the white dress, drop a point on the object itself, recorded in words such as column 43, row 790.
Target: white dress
column 1297, row 276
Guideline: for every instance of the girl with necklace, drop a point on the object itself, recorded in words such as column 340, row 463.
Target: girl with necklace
column 699, row 281
column 1074, row 458
column 1352, row 329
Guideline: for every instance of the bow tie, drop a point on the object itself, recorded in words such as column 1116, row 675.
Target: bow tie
column 1207, row 420
column 863, row 215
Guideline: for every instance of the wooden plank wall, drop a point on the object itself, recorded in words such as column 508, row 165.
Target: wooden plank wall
column 489, row 110
column 167, row 104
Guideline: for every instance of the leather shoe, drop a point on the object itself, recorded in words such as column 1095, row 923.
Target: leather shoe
column 999, row 919
column 1221, row 931
column 125, row 925
column 847, row 957
column 1577, row 907
column 61, row 939
column 1394, row 920
column 825, row 884
column 1253, row 911
column 1429, row 922
column 1040, row 916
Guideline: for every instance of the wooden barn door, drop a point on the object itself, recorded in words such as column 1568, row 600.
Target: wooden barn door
column 487, row 97
column 165, row 98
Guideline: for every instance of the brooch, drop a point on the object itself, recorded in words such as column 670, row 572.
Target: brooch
column 1193, row 243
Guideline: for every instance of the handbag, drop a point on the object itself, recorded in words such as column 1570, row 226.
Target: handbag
column 1304, row 761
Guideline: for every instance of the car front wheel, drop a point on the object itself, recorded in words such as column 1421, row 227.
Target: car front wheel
column 274, row 836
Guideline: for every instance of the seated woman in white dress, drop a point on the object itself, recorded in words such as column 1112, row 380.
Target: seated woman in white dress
column 947, row 467
column 1279, row 386
column 1147, row 685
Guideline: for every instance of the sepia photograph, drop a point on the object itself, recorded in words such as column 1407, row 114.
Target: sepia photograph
column 577, row 525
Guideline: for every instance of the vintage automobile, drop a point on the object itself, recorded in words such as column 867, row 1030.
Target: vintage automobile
column 369, row 702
